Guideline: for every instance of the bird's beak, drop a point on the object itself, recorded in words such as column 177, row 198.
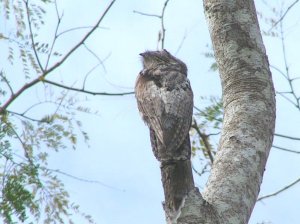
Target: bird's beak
column 142, row 54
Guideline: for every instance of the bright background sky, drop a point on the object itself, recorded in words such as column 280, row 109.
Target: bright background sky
column 120, row 154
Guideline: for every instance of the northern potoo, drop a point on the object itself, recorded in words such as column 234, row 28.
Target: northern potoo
column 165, row 101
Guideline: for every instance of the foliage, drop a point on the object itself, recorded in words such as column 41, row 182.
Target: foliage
column 206, row 127
column 29, row 190
column 28, row 186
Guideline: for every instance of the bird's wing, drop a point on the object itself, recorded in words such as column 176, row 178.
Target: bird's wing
column 167, row 112
column 177, row 116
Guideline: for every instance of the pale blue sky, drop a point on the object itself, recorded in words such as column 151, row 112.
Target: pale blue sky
column 120, row 153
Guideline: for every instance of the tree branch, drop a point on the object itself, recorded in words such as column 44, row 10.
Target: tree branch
column 84, row 180
column 31, row 35
column 284, row 14
column 24, row 116
column 162, row 33
column 287, row 67
column 147, row 14
column 279, row 191
column 86, row 91
column 286, row 136
column 284, row 149
column 46, row 72
column 7, row 82
column 163, row 36
column 82, row 41
column 78, row 28
column 96, row 56
column 204, row 138
column 55, row 34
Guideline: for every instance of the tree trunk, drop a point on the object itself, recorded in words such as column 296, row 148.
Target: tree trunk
column 249, row 118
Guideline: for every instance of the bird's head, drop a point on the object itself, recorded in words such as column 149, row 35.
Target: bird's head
column 157, row 59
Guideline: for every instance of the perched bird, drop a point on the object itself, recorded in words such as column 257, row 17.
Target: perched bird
column 165, row 101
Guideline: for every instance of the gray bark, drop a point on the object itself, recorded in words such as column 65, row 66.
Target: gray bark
column 249, row 117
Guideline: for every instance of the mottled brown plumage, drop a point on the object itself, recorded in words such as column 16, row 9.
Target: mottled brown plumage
column 165, row 101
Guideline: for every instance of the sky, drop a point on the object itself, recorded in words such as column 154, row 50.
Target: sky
column 119, row 155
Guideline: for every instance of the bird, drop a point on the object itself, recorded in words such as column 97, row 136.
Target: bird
column 165, row 102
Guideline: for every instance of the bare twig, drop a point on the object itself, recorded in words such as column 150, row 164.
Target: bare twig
column 181, row 43
column 88, row 73
column 204, row 170
column 286, row 136
column 147, row 14
column 79, row 28
column 284, row 149
column 85, row 180
column 279, row 191
column 96, row 56
column 64, row 95
column 211, row 134
column 283, row 15
column 288, row 99
column 205, row 140
column 287, row 73
column 162, row 33
column 86, row 91
column 34, row 105
column 24, row 116
column 101, row 62
column 55, row 34
column 82, row 41
column 163, row 36
column 278, row 70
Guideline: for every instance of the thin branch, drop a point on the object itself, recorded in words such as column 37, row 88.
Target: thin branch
column 86, row 91
column 204, row 170
column 283, row 15
column 162, row 33
column 7, row 83
column 286, row 92
column 61, row 101
column 278, row 70
column 288, row 99
column 23, row 145
column 96, row 56
column 82, row 41
column 80, row 28
column 88, row 73
column 147, row 14
column 31, row 35
column 279, row 191
column 181, row 43
column 19, row 92
column 204, row 138
column 284, row 149
column 85, row 180
column 198, row 109
column 55, row 34
column 163, row 36
column 24, row 116
column 286, row 136
column 287, row 67
column 92, row 69
column 34, row 105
